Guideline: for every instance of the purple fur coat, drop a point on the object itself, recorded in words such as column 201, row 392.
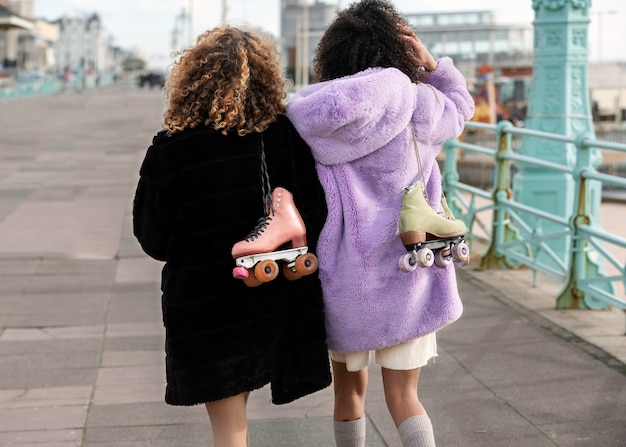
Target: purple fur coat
column 359, row 131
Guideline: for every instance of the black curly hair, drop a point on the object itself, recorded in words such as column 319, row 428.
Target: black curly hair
column 364, row 35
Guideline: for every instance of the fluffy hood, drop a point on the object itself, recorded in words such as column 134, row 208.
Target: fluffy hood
column 339, row 126
column 351, row 117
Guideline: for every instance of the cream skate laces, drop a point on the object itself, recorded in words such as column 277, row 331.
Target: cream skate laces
column 419, row 162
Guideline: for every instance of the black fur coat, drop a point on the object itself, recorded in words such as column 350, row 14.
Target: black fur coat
column 199, row 193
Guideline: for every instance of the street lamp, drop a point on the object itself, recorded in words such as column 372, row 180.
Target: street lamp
column 224, row 12
column 302, row 47
column 190, row 17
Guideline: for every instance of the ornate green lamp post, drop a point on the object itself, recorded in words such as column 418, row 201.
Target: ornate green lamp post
column 559, row 103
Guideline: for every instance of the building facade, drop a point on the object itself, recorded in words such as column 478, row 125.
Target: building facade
column 472, row 38
column 495, row 58
column 302, row 25
column 66, row 46
column 82, row 46
column 15, row 19
column 607, row 88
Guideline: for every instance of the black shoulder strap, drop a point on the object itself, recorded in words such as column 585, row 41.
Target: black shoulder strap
column 265, row 182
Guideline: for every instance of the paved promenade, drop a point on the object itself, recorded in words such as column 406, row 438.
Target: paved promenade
column 81, row 339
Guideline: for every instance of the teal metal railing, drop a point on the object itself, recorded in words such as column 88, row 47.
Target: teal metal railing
column 18, row 90
column 51, row 86
column 515, row 233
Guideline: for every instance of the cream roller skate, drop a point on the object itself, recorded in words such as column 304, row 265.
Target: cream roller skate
column 429, row 236
column 279, row 236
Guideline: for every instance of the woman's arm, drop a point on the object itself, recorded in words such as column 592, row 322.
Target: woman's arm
column 152, row 208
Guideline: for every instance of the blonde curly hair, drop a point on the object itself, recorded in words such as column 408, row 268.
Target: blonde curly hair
column 231, row 80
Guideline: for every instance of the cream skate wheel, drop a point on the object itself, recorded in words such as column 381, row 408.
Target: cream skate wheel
column 443, row 258
column 407, row 263
column 251, row 280
column 425, row 257
column 290, row 274
column 266, row 270
column 306, row 264
column 461, row 254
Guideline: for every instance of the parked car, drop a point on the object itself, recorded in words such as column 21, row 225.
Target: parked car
column 151, row 79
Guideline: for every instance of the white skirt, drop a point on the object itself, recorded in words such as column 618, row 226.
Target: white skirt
column 408, row 355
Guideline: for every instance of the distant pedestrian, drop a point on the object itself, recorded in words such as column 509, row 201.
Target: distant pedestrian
column 379, row 88
column 200, row 193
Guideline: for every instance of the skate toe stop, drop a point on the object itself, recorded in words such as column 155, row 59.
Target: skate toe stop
column 240, row 273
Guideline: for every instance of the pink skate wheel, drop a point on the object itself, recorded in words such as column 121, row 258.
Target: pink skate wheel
column 240, row 273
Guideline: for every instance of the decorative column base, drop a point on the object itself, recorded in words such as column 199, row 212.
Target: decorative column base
column 553, row 193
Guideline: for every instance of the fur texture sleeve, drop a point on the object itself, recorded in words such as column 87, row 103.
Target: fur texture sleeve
column 152, row 210
column 444, row 103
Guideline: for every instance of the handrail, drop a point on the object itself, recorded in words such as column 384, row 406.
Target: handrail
column 20, row 90
column 517, row 236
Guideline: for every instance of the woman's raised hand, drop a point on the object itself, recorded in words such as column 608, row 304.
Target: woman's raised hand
column 418, row 53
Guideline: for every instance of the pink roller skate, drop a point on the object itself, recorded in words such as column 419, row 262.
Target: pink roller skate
column 279, row 236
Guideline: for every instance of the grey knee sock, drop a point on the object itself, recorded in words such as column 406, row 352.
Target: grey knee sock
column 417, row 431
column 350, row 433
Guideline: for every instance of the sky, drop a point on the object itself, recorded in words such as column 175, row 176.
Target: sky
column 146, row 26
